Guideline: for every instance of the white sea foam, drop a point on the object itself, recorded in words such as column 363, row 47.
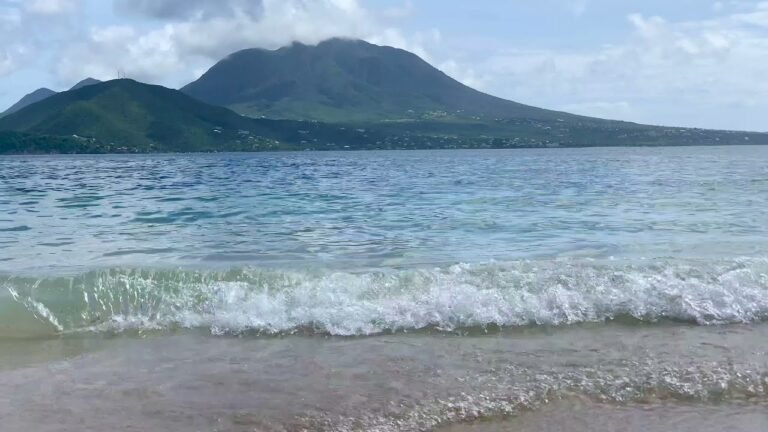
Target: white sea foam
column 461, row 296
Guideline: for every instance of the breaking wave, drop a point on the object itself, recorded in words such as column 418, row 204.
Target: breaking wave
column 252, row 300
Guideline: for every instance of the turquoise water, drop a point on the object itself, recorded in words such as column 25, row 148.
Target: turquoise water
column 385, row 290
column 366, row 242
column 380, row 209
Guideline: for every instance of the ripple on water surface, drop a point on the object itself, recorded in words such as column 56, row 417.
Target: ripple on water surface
column 384, row 208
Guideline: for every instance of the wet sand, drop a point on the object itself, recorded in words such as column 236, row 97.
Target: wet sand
column 590, row 378
column 586, row 416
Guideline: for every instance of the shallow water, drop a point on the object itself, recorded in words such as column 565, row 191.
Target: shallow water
column 581, row 416
column 531, row 378
column 583, row 289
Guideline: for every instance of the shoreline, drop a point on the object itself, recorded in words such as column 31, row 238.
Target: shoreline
column 409, row 150
column 408, row 382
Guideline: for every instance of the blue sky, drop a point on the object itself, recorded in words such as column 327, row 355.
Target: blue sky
column 697, row 63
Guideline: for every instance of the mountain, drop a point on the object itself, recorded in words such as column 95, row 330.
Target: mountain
column 370, row 97
column 34, row 97
column 84, row 83
column 126, row 113
column 344, row 80
column 400, row 95
column 42, row 94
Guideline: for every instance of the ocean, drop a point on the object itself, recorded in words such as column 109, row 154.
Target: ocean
column 512, row 290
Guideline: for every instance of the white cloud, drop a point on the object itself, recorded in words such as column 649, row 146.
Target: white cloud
column 51, row 7
column 13, row 48
column 686, row 66
column 197, row 33
column 708, row 72
column 465, row 75
column 120, row 48
column 7, row 62
column 414, row 43
column 174, row 52
column 31, row 27
column 758, row 17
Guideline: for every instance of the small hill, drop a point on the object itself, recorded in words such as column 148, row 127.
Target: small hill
column 126, row 113
column 346, row 80
column 34, row 97
column 42, row 94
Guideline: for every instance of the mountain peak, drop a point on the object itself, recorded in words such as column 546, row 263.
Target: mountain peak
column 44, row 93
column 86, row 82
column 31, row 98
column 344, row 79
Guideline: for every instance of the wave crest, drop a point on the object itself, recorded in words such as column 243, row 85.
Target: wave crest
column 344, row 303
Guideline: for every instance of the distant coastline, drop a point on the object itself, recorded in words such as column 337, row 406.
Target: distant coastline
column 357, row 96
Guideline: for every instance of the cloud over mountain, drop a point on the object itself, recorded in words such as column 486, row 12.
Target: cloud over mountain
column 200, row 32
column 656, row 61
column 187, row 9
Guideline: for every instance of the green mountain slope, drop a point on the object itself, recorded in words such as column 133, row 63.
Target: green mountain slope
column 125, row 113
column 25, row 143
column 128, row 116
column 346, row 80
column 31, row 98
column 42, row 94
column 397, row 94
